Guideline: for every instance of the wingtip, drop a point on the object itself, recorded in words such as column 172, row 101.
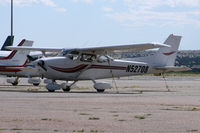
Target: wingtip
column 161, row 45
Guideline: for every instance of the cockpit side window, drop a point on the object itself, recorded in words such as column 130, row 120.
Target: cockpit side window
column 88, row 57
column 73, row 55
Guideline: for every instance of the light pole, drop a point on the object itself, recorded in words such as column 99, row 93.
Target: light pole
column 11, row 21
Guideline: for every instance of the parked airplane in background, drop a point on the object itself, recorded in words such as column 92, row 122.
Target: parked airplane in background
column 94, row 63
column 15, row 64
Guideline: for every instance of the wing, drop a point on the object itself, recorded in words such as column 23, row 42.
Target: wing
column 99, row 50
column 35, row 49
column 122, row 48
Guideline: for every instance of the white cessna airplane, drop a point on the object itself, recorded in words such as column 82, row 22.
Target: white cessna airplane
column 94, row 63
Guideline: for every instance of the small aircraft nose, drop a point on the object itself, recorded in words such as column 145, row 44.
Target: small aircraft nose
column 41, row 64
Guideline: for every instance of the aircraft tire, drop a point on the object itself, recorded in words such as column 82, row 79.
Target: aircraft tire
column 66, row 89
column 15, row 83
column 36, row 84
column 100, row 90
column 51, row 90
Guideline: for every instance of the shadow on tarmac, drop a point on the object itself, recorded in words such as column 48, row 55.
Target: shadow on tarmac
column 84, row 92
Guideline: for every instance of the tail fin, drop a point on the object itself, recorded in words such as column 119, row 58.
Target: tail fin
column 8, row 42
column 164, row 56
column 17, row 58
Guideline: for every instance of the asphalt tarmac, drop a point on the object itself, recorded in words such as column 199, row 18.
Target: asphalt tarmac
column 141, row 104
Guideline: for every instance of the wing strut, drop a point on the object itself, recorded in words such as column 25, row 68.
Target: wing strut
column 113, row 78
column 164, row 78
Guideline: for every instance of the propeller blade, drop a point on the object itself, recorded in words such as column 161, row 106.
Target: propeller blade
column 41, row 64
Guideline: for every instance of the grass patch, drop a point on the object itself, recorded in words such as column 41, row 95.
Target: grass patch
column 113, row 112
column 183, row 109
column 16, row 129
column 94, row 118
column 93, row 131
column 84, row 114
column 140, row 117
column 32, row 129
column 1, row 129
column 18, row 120
column 182, row 74
column 46, row 119
column 193, row 130
column 193, row 109
column 115, row 115
column 79, row 131
column 121, row 120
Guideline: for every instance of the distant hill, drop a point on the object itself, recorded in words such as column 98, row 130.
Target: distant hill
column 189, row 58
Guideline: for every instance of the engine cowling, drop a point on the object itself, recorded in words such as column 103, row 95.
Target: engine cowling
column 100, row 87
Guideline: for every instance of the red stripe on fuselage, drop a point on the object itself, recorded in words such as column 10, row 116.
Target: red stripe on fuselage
column 9, row 70
column 82, row 66
column 6, row 69
column 70, row 70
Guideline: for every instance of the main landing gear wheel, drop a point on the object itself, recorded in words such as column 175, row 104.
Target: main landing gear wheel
column 51, row 90
column 15, row 83
column 36, row 84
column 100, row 90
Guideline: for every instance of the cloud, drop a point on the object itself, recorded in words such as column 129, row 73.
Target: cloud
column 157, row 12
column 107, row 9
column 49, row 3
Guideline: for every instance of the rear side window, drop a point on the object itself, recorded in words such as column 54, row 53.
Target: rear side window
column 88, row 57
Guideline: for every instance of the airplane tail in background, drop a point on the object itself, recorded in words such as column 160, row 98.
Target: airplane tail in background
column 8, row 42
column 164, row 56
column 17, row 58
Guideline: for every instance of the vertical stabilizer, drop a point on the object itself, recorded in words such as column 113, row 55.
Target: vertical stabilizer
column 17, row 58
column 8, row 42
column 165, row 56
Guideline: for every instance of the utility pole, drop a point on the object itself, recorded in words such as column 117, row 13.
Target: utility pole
column 9, row 39
column 11, row 21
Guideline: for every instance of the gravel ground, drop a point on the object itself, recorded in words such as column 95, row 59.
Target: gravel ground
column 140, row 104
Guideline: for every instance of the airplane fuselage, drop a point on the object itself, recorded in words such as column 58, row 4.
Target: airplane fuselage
column 63, row 68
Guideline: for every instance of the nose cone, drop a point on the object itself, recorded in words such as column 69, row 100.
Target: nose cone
column 40, row 64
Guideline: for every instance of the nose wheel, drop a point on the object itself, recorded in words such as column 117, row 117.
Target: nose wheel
column 100, row 91
column 66, row 89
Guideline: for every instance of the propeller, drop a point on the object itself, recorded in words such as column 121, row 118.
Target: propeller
column 42, row 64
column 31, row 58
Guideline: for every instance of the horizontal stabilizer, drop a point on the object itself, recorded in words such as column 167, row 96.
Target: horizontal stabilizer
column 172, row 68
column 20, row 68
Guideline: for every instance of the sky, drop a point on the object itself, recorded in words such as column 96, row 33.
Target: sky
column 93, row 23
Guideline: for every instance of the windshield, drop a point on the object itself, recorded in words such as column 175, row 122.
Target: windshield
column 73, row 55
